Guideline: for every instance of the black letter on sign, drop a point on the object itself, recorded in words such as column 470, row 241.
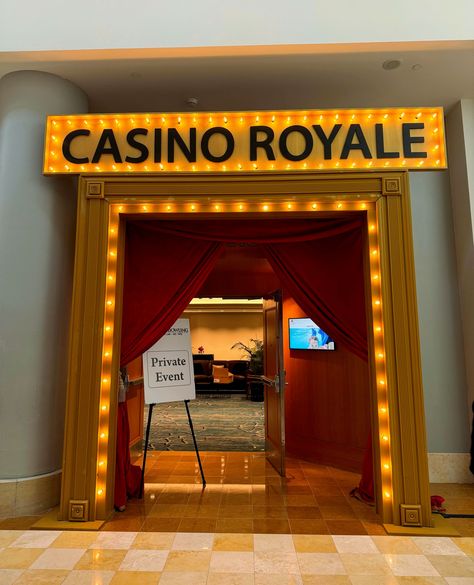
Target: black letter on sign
column 355, row 131
column 157, row 153
column 327, row 140
column 307, row 138
column 265, row 143
column 67, row 147
column 175, row 136
column 102, row 148
column 206, row 137
column 379, row 144
column 137, row 145
column 408, row 140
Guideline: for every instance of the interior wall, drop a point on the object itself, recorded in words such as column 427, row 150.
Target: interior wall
column 441, row 339
column 217, row 332
column 327, row 402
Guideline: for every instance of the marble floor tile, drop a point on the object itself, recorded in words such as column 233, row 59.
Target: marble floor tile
column 278, row 563
column 230, row 579
column 101, row 560
column 19, row 558
column 135, row 578
column 144, row 560
column 273, row 543
column 327, row 580
column 8, row 576
column 35, row 539
column 9, row 536
column 453, row 565
column 58, row 558
column 154, row 540
column 188, row 561
column 75, row 539
column 89, row 578
column 321, row 564
column 232, row 562
column 314, row 543
column 365, row 564
column 437, row 546
column 354, row 544
column 273, row 579
column 192, row 541
column 114, row 540
column 233, row 542
column 183, row 578
column 41, row 577
column 410, row 565
column 396, row 545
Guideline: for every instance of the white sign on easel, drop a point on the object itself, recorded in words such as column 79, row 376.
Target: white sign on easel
column 168, row 367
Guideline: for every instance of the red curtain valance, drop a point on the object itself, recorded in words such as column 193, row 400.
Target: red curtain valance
column 319, row 263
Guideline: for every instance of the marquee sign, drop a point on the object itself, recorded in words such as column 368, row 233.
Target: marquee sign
column 402, row 138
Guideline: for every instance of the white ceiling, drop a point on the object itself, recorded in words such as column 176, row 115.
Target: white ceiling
column 436, row 77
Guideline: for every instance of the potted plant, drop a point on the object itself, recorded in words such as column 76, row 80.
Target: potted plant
column 254, row 353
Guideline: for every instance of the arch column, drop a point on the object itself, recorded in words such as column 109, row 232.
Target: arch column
column 37, row 228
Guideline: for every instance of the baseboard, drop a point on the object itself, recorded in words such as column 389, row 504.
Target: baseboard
column 450, row 468
column 29, row 496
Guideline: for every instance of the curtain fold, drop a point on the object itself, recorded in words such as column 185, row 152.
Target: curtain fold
column 163, row 272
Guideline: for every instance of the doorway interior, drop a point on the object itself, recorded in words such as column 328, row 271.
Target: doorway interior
column 383, row 197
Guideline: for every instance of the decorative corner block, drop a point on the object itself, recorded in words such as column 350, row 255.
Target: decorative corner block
column 410, row 514
column 78, row 510
column 95, row 190
column 391, row 186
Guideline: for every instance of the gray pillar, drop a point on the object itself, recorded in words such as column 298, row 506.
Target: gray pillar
column 37, row 229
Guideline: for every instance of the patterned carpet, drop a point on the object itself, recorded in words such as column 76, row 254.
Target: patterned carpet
column 223, row 422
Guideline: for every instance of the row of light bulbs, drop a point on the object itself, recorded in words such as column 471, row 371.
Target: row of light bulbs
column 262, row 166
column 229, row 117
column 380, row 364
column 186, row 207
column 106, row 372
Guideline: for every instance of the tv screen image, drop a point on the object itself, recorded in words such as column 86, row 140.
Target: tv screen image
column 305, row 334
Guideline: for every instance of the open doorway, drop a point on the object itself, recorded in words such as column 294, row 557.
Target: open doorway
column 290, row 502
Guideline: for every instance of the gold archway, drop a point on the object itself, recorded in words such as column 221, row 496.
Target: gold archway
column 401, row 469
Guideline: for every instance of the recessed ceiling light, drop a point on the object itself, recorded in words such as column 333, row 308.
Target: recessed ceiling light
column 416, row 67
column 391, row 64
column 192, row 102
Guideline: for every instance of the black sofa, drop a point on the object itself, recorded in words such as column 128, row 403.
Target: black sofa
column 204, row 379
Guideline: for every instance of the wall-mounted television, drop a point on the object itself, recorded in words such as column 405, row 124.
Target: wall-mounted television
column 305, row 334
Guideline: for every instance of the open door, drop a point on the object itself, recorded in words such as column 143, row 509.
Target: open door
column 274, row 379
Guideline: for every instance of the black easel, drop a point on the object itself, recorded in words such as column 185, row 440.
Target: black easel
column 147, row 436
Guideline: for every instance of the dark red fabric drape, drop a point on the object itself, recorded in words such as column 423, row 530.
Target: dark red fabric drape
column 318, row 261
column 127, row 476
column 163, row 272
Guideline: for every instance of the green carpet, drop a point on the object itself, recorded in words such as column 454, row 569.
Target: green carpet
column 225, row 422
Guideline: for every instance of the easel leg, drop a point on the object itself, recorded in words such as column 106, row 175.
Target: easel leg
column 147, row 436
column 186, row 402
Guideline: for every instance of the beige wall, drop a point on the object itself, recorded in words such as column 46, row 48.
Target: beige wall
column 217, row 332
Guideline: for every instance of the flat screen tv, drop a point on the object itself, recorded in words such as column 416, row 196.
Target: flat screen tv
column 305, row 334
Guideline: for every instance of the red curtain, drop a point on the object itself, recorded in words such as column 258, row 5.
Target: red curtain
column 163, row 272
column 318, row 261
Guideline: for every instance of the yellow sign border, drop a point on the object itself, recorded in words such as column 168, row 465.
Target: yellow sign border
column 385, row 134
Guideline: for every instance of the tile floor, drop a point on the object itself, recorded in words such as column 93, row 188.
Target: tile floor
column 146, row 558
column 248, row 527
column 245, row 494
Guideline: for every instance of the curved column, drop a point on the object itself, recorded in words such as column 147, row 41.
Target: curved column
column 37, row 229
